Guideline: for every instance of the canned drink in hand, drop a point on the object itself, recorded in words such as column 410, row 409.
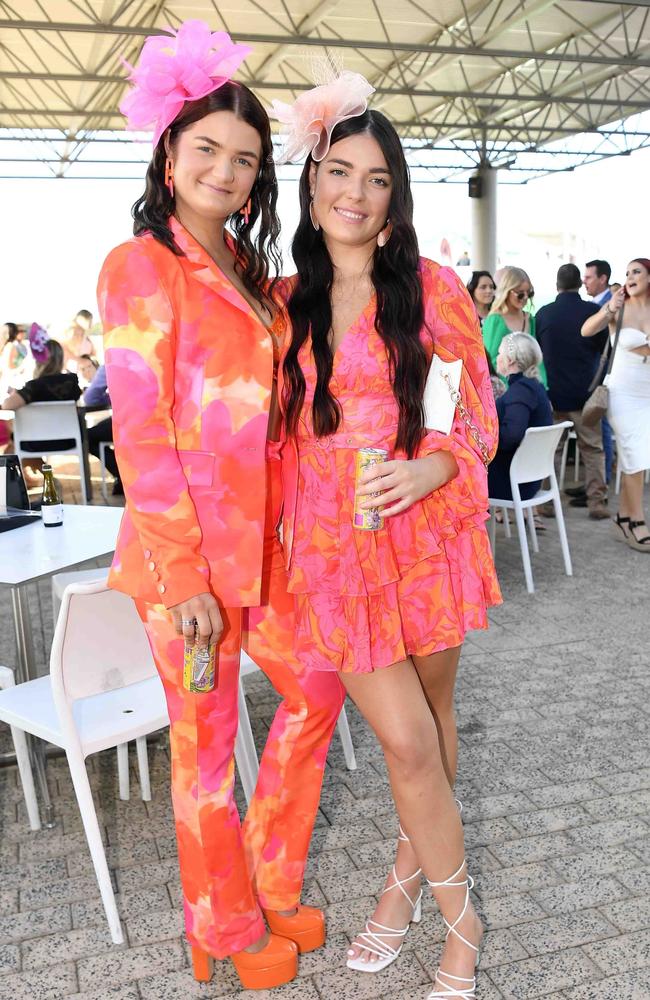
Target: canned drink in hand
column 199, row 663
column 368, row 519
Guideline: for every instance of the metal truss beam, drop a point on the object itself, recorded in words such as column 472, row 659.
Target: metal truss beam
column 537, row 103
column 319, row 41
column 496, row 97
column 421, row 124
column 123, row 139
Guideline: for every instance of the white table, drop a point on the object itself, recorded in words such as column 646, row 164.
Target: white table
column 35, row 552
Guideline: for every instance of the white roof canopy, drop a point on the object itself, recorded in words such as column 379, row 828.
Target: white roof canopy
column 534, row 85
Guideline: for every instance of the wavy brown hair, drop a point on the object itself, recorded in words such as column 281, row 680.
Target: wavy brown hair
column 256, row 251
column 396, row 279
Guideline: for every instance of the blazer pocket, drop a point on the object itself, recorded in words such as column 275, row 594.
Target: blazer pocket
column 198, row 467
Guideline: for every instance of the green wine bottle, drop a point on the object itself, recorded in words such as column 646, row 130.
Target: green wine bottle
column 51, row 504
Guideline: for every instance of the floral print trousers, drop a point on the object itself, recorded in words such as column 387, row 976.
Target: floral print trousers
column 230, row 870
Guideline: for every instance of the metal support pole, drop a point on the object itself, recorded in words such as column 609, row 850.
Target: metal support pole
column 484, row 219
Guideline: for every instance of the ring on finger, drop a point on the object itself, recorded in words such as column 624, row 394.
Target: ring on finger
column 191, row 622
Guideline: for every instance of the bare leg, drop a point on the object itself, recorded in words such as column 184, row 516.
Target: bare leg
column 393, row 702
column 631, row 504
column 437, row 674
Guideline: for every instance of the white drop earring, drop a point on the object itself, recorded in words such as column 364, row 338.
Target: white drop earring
column 314, row 220
column 385, row 235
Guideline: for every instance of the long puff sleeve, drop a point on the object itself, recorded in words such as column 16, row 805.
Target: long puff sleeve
column 452, row 331
column 140, row 355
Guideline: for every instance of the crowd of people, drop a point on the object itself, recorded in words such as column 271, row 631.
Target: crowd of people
column 35, row 367
column 546, row 364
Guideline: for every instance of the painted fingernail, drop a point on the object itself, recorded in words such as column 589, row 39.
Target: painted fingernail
column 350, row 953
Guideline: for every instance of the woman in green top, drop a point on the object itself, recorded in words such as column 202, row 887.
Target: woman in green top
column 507, row 314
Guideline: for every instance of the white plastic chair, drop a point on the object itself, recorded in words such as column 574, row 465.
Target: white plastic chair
column 571, row 436
column 102, row 691
column 57, row 421
column 245, row 752
column 22, row 758
column 533, row 460
column 59, row 582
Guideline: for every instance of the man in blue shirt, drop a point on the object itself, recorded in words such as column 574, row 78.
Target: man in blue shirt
column 571, row 362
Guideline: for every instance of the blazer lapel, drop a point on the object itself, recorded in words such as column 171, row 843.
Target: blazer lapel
column 206, row 271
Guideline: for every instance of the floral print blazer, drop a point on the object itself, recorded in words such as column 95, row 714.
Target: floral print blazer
column 190, row 370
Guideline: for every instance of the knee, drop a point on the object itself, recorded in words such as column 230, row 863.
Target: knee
column 412, row 750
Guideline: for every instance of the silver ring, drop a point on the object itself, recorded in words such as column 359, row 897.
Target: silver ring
column 188, row 621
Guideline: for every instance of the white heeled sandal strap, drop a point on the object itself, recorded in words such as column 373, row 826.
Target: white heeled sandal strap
column 455, row 989
column 455, row 986
column 468, row 883
column 371, row 939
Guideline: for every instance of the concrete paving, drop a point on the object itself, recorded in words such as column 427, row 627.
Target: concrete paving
column 554, row 773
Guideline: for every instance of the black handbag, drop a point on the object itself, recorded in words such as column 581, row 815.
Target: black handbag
column 14, row 500
column 13, row 492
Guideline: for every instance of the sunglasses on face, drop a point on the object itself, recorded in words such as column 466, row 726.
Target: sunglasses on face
column 524, row 295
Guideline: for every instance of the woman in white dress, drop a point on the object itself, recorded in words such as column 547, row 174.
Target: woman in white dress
column 629, row 395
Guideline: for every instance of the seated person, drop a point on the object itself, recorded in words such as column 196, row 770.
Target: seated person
column 86, row 369
column 50, row 384
column 524, row 404
column 97, row 395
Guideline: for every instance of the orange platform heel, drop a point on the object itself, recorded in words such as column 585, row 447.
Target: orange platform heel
column 306, row 927
column 202, row 965
column 275, row 965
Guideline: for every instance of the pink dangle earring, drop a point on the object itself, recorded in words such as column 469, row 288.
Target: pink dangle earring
column 169, row 175
column 246, row 211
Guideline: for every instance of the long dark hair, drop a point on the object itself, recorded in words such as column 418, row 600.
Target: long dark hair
column 473, row 282
column 255, row 255
column 395, row 277
column 12, row 332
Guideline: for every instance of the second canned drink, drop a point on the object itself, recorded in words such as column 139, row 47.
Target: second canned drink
column 199, row 667
column 368, row 519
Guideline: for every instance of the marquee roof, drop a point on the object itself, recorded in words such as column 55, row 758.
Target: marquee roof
column 533, row 85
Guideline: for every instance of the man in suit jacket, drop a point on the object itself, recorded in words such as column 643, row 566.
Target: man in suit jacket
column 571, row 364
column 596, row 281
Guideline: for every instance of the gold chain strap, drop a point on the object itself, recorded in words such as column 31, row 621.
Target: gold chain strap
column 466, row 418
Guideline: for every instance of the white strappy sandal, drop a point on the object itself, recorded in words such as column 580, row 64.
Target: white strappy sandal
column 455, row 986
column 372, row 939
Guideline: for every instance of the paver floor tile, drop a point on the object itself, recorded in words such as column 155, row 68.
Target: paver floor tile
column 554, row 729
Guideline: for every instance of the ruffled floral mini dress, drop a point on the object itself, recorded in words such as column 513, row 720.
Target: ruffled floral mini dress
column 368, row 599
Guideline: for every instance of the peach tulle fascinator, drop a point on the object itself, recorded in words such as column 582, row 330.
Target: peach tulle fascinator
column 308, row 123
column 183, row 66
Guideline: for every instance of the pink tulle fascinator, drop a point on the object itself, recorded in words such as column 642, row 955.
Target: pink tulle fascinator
column 39, row 343
column 182, row 66
column 310, row 120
